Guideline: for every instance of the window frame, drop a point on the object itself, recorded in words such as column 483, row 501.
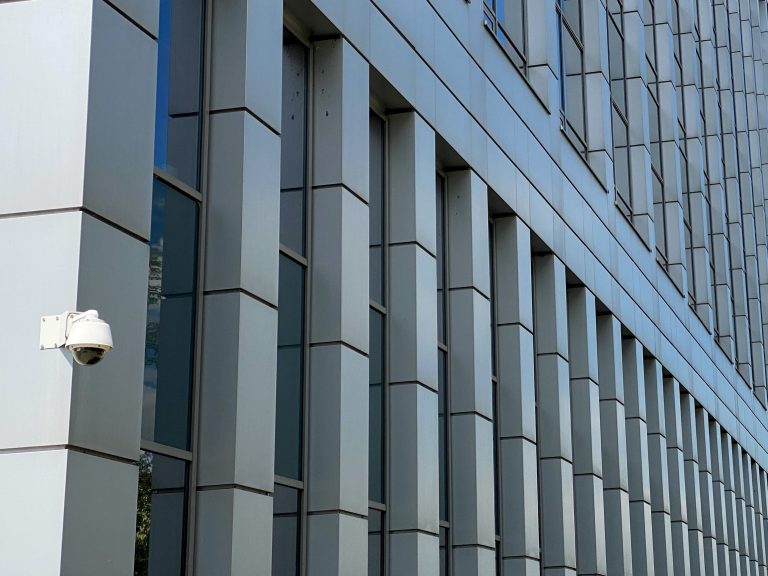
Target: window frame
column 624, row 204
column 199, row 196
column 580, row 143
column 683, row 152
column 443, row 347
column 657, row 171
column 382, row 309
column 517, row 54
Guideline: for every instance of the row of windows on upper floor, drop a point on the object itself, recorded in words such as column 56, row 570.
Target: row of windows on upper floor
column 684, row 183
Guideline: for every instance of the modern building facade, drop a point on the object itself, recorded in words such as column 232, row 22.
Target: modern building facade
column 397, row 287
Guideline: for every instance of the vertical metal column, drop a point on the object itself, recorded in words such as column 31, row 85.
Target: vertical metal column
column 675, row 464
column 692, row 489
column 236, row 432
column 337, row 475
column 412, row 504
column 657, row 462
column 720, row 499
column 639, row 480
column 471, row 396
column 585, row 426
column 618, row 538
column 706, row 490
column 554, row 408
column 517, row 399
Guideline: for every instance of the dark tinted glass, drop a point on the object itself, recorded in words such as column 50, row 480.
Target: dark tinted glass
column 444, row 551
column 376, row 408
column 442, row 410
column 285, row 531
column 573, row 89
column 492, row 268
column 170, row 318
column 572, row 14
column 375, row 532
column 161, row 516
column 293, row 140
column 496, row 459
column 290, row 370
column 376, row 209
column 179, row 66
column 616, row 61
column 621, row 159
column 513, row 18
column 440, row 205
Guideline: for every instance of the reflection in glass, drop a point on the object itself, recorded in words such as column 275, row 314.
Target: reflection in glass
column 376, row 209
column 179, row 95
column 161, row 516
column 621, row 166
column 440, row 228
column 290, row 370
column 285, row 531
column 376, row 408
column 293, row 143
column 442, row 341
column 442, row 417
column 444, row 551
column 571, row 10
column 572, row 102
column 375, row 541
column 573, row 60
column 507, row 18
column 168, row 362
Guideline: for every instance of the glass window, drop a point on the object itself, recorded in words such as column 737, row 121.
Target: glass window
column 376, row 408
column 161, row 516
column 654, row 119
column 440, row 200
column 619, row 121
column 375, row 540
column 443, row 420
column 443, row 385
column 507, row 19
column 179, row 89
column 377, row 430
column 169, row 353
column 621, row 162
column 293, row 164
column 290, row 370
column 292, row 313
column 167, row 392
column 285, row 531
column 376, row 209
column 445, row 551
column 572, row 84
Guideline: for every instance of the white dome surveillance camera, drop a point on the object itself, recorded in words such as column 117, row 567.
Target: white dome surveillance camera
column 84, row 334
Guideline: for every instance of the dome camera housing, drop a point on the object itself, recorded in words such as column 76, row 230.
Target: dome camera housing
column 89, row 339
column 84, row 334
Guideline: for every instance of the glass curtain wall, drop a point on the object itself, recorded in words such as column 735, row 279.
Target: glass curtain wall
column 495, row 391
column 287, row 534
column 167, row 427
column 377, row 359
column 443, row 383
